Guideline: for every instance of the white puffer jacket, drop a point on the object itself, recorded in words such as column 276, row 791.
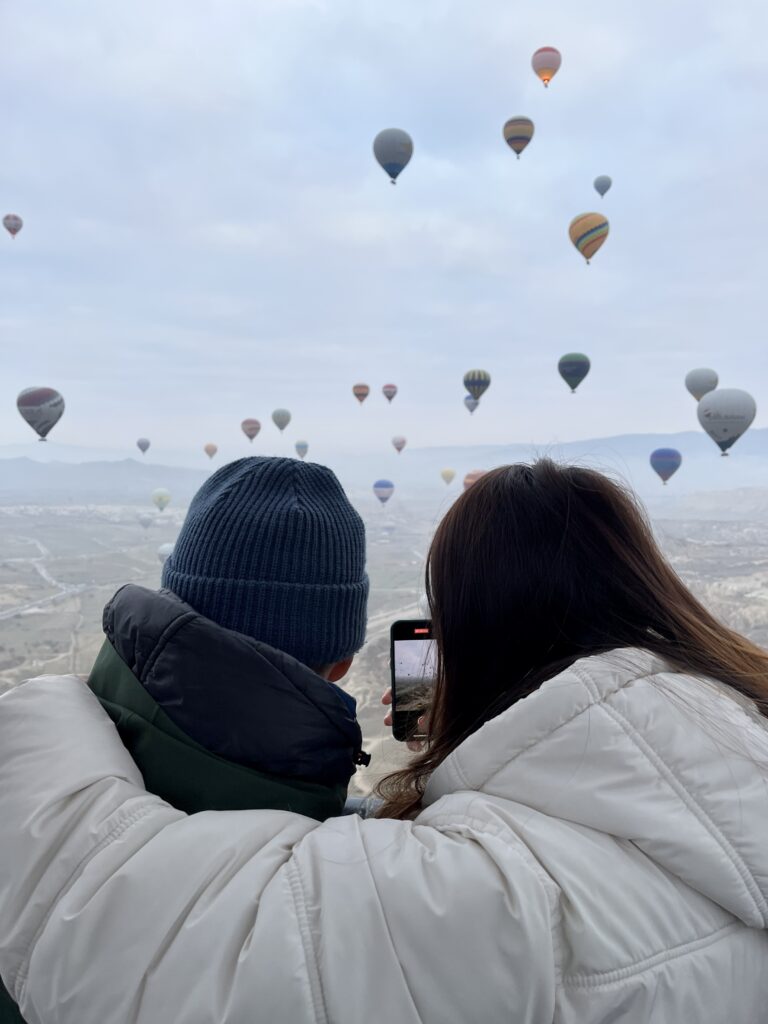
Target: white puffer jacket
column 599, row 852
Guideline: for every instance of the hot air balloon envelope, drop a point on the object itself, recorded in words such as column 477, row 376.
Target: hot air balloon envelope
column 725, row 415
column 281, row 418
column 602, row 183
column 518, row 132
column 42, row 408
column 210, row 450
column 399, row 443
column 145, row 520
column 164, row 552
column 471, row 403
column 250, row 428
column 701, row 381
column 161, row 498
column 666, row 462
column 383, row 489
column 573, row 368
column 393, row 148
column 448, row 475
column 588, row 231
column 301, row 448
column 473, row 477
column 12, row 224
column 546, row 63
column 143, row 445
column 389, row 391
column 361, row 392
column 477, row 382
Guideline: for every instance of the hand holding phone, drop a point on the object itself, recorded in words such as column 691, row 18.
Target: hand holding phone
column 413, row 666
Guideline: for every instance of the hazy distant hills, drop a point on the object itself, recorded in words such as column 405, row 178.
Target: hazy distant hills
column 415, row 472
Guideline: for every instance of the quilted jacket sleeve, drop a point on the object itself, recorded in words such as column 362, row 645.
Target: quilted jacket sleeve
column 116, row 908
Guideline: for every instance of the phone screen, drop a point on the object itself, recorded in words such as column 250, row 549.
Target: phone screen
column 414, row 665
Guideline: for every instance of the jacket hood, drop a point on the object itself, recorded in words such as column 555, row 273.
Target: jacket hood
column 237, row 697
column 626, row 744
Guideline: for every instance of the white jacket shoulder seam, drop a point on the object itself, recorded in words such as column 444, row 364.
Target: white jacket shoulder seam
column 308, row 946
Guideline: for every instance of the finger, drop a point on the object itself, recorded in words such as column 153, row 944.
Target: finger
column 386, row 697
column 388, row 719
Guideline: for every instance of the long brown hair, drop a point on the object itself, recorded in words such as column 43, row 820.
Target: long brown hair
column 534, row 567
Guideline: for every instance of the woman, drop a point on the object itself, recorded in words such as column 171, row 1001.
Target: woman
column 584, row 838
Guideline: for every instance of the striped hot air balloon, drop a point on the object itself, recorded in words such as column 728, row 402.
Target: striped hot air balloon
column 666, row 462
column 588, row 231
column 518, row 132
column 250, row 428
column 383, row 489
column 361, row 392
column 399, row 443
column 546, row 63
column 477, row 382
column 42, row 408
column 573, row 368
column 389, row 391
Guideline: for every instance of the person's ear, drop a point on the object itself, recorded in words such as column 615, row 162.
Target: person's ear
column 339, row 670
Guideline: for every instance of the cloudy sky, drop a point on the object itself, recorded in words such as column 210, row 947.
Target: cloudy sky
column 208, row 237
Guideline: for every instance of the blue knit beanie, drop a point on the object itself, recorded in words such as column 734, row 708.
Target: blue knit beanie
column 272, row 548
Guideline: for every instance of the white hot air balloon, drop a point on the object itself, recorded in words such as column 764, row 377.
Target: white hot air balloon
column 161, row 498
column 701, row 381
column 164, row 552
column 281, row 418
column 725, row 415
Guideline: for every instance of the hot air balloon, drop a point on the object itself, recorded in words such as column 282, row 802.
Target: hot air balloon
column 518, row 132
column 666, row 462
column 700, row 382
column 477, row 382
column 473, row 477
column 42, row 408
column 12, row 224
column 210, row 450
column 546, row 63
column 471, row 403
column 164, row 552
column 250, row 428
column 361, row 392
column 393, row 148
column 143, row 445
column 573, row 368
column 448, row 475
column 588, row 231
column 383, row 489
column 301, row 448
column 602, row 183
column 725, row 415
column 161, row 498
column 399, row 443
column 145, row 520
column 281, row 418
column 389, row 391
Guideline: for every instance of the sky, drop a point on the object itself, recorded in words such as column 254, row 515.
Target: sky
column 208, row 237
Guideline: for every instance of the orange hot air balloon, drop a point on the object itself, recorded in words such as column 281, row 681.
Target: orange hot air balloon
column 546, row 63
column 588, row 231
column 361, row 392
column 473, row 477
column 210, row 450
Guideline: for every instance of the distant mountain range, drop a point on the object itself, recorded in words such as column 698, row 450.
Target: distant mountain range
column 415, row 472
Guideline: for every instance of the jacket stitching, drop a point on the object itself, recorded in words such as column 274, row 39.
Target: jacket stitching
column 604, row 978
column 310, row 956
column 678, row 786
column 121, row 827
column 162, row 642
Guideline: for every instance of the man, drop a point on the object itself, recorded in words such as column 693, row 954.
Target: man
column 222, row 685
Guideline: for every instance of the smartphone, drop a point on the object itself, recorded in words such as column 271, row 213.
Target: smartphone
column 414, row 665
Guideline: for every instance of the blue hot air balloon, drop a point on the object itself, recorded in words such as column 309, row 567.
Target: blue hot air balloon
column 471, row 403
column 602, row 183
column 666, row 462
column 383, row 489
column 393, row 148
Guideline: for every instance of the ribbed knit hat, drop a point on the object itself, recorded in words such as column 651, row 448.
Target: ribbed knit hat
column 272, row 548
